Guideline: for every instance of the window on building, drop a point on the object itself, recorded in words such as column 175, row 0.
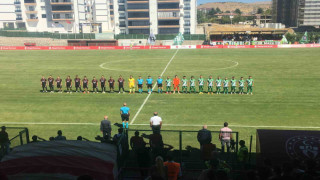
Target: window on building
column 187, row 22
column 68, row 16
column 31, row 8
column 122, row 31
column 56, row 16
column 187, row 31
column 43, row 8
column 44, row 16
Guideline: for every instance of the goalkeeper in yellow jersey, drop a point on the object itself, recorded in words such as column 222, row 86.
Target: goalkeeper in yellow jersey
column 131, row 85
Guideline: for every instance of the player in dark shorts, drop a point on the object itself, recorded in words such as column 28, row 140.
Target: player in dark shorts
column 77, row 83
column 85, row 84
column 69, row 84
column 58, row 84
column 121, row 84
column 94, row 85
column 43, row 83
column 103, row 84
column 51, row 83
column 111, row 84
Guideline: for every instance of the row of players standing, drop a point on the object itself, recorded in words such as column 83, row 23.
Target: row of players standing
column 176, row 82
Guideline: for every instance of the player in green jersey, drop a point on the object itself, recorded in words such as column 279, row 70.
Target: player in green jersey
column 218, row 85
column 225, row 86
column 168, row 82
column 192, row 85
column 233, row 85
column 250, row 85
column 201, row 83
column 241, row 85
column 210, row 85
column 184, row 84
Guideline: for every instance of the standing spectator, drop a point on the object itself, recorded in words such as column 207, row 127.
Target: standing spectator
column 4, row 141
column 174, row 169
column 105, row 128
column 138, row 146
column 137, row 143
column 243, row 153
column 117, row 137
column 204, row 136
column 156, row 123
column 225, row 137
column 60, row 137
column 156, row 144
column 125, row 114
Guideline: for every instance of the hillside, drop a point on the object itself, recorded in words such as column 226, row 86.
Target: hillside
column 231, row 6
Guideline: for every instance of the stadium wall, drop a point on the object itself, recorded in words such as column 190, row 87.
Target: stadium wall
column 156, row 47
column 19, row 41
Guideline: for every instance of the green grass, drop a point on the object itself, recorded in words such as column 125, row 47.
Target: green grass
column 286, row 90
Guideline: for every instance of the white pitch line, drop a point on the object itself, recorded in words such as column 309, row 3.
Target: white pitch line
column 181, row 125
column 144, row 102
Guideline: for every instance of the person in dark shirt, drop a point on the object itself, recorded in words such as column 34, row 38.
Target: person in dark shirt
column 58, row 84
column 4, row 141
column 105, row 128
column 204, row 136
column 51, row 82
column 68, row 84
column 60, row 137
column 77, row 83
column 111, row 84
column 121, row 84
column 137, row 143
column 85, row 84
column 103, row 84
column 94, row 85
column 43, row 83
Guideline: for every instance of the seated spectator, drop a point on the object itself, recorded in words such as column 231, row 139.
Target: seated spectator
column 79, row 138
column 204, row 136
column 137, row 143
column 4, row 141
column 207, row 150
column 243, row 152
column 158, row 171
column 174, row 168
column 117, row 137
column 34, row 139
column 60, row 137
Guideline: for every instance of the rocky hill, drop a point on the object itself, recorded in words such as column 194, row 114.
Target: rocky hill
column 231, row 6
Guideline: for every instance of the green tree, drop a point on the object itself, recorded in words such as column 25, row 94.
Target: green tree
column 211, row 13
column 218, row 10
column 201, row 17
column 225, row 20
column 260, row 11
column 228, row 12
column 238, row 11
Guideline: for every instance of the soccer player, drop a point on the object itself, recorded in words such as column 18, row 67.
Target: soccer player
column 241, row 85
column 43, row 83
column 149, row 84
column 210, row 85
column 168, row 85
column 77, row 83
column 94, row 85
column 125, row 114
column 51, row 82
column 201, row 83
column 233, row 85
column 250, row 84
column 131, row 85
column 69, row 84
column 218, row 85
column 121, row 84
column 111, row 84
column 59, row 84
column 85, row 84
column 184, row 85
column 103, row 84
column 159, row 82
column 225, row 86
column 140, row 84
column 176, row 84
column 192, row 85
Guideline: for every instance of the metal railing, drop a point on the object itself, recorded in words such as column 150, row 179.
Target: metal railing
column 47, row 35
column 17, row 137
column 161, row 36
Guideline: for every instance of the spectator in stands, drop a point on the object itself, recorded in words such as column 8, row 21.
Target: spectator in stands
column 34, row 139
column 158, row 171
column 204, row 136
column 156, row 144
column 207, row 150
column 137, row 143
column 117, row 137
column 105, row 128
column 174, row 169
column 138, row 146
column 243, row 153
column 4, row 141
column 156, row 123
column 225, row 137
column 60, row 137
column 51, row 139
column 79, row 138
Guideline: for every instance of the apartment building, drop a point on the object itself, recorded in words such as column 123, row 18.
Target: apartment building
column 100, row 16
column 296, row 13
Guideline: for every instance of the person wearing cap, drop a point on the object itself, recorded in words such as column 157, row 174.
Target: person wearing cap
column 155, row 123
column 125, row 114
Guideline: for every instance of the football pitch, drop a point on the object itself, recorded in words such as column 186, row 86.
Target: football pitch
column 285, row 96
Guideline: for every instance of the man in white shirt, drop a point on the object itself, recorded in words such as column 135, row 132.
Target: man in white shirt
column 225, row 137
column 156, row 123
